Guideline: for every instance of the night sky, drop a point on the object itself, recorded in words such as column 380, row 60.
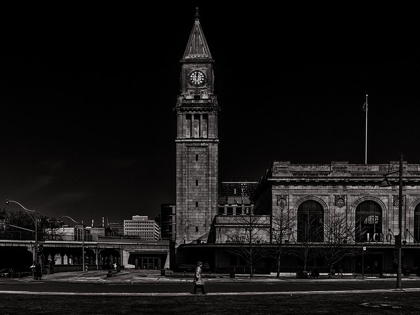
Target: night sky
column 87, row 97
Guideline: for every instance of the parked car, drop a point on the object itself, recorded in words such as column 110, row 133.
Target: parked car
column 13, row 272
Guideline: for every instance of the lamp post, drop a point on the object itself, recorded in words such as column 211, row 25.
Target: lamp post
column 83, row 239
column 398, row 238
column 29, row 211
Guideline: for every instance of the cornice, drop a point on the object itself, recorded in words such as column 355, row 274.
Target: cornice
column 195, row 141
column 209, row 108
column 336, row 180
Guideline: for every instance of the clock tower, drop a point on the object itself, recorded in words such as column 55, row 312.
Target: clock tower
column 196, row 142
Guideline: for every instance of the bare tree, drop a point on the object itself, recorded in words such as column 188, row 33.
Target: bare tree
column 282, row 230
column 249, row 238
column 50, row 228
column 18, row 224
column 339, row 234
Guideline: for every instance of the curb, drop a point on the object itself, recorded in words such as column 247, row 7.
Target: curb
column 216, row 293
column 100, row 279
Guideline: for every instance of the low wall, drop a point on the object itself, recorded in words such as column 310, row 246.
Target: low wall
column 67, row 268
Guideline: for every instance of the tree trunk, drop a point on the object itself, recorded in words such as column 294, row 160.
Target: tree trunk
column 278, row 264
column 251, row 267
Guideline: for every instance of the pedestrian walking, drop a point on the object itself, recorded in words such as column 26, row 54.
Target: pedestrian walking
column 198, row 280
column 33, row 270
column 38, row 272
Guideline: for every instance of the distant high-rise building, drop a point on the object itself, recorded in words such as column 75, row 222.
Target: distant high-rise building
column 115, row 228
column 158, row 220
column 168, row 221
column 142, row 227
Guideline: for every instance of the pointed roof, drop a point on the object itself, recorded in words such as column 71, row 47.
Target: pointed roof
column 197, row 47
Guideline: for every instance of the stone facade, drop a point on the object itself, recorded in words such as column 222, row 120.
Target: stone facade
column 354, row 192
column 236, row 228
column 340, row 188
column 196, row 142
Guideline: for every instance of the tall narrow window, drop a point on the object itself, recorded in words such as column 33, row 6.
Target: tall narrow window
column 196, row 182
column 204, row 132
column 196, row 126
column 417, row 224
column 310, row 222
column 196, row 157
column 187, row 126
column 196, row 203
column 196, row 228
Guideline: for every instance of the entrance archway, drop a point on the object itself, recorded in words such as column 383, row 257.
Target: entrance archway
column 373, row 263
column 147, row 260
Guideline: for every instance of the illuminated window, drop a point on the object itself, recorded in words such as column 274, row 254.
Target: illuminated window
column 368, row 220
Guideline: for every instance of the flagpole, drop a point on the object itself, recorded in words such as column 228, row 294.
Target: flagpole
column 366, row 128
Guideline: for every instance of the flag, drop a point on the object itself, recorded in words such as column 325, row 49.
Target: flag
column 365, row 106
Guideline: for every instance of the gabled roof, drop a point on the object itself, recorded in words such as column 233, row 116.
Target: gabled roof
column 197, row 47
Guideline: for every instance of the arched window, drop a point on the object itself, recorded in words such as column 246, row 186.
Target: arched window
column 417, row 224
column 310, row 222
column 368, row 220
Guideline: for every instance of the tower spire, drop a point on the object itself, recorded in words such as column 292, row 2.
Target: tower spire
column 197, row 47
column 197, row 16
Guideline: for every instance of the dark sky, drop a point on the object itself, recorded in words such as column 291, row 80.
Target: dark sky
column 87, row 97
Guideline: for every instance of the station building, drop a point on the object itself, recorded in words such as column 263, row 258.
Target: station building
column 314, row 199
column 294, row 206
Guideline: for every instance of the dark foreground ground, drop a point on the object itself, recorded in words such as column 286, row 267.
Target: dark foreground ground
column 342, row 304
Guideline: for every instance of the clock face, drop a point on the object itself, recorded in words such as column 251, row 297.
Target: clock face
column 197, row 78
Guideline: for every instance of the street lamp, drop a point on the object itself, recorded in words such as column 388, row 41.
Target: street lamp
column 400, row 203
column 83, row 239
column 29, row 211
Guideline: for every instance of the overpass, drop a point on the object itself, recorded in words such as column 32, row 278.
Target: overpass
column 67, row 255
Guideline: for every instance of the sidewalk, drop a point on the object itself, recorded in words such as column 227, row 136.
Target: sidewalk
column 179, row 284
column 130, row 276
